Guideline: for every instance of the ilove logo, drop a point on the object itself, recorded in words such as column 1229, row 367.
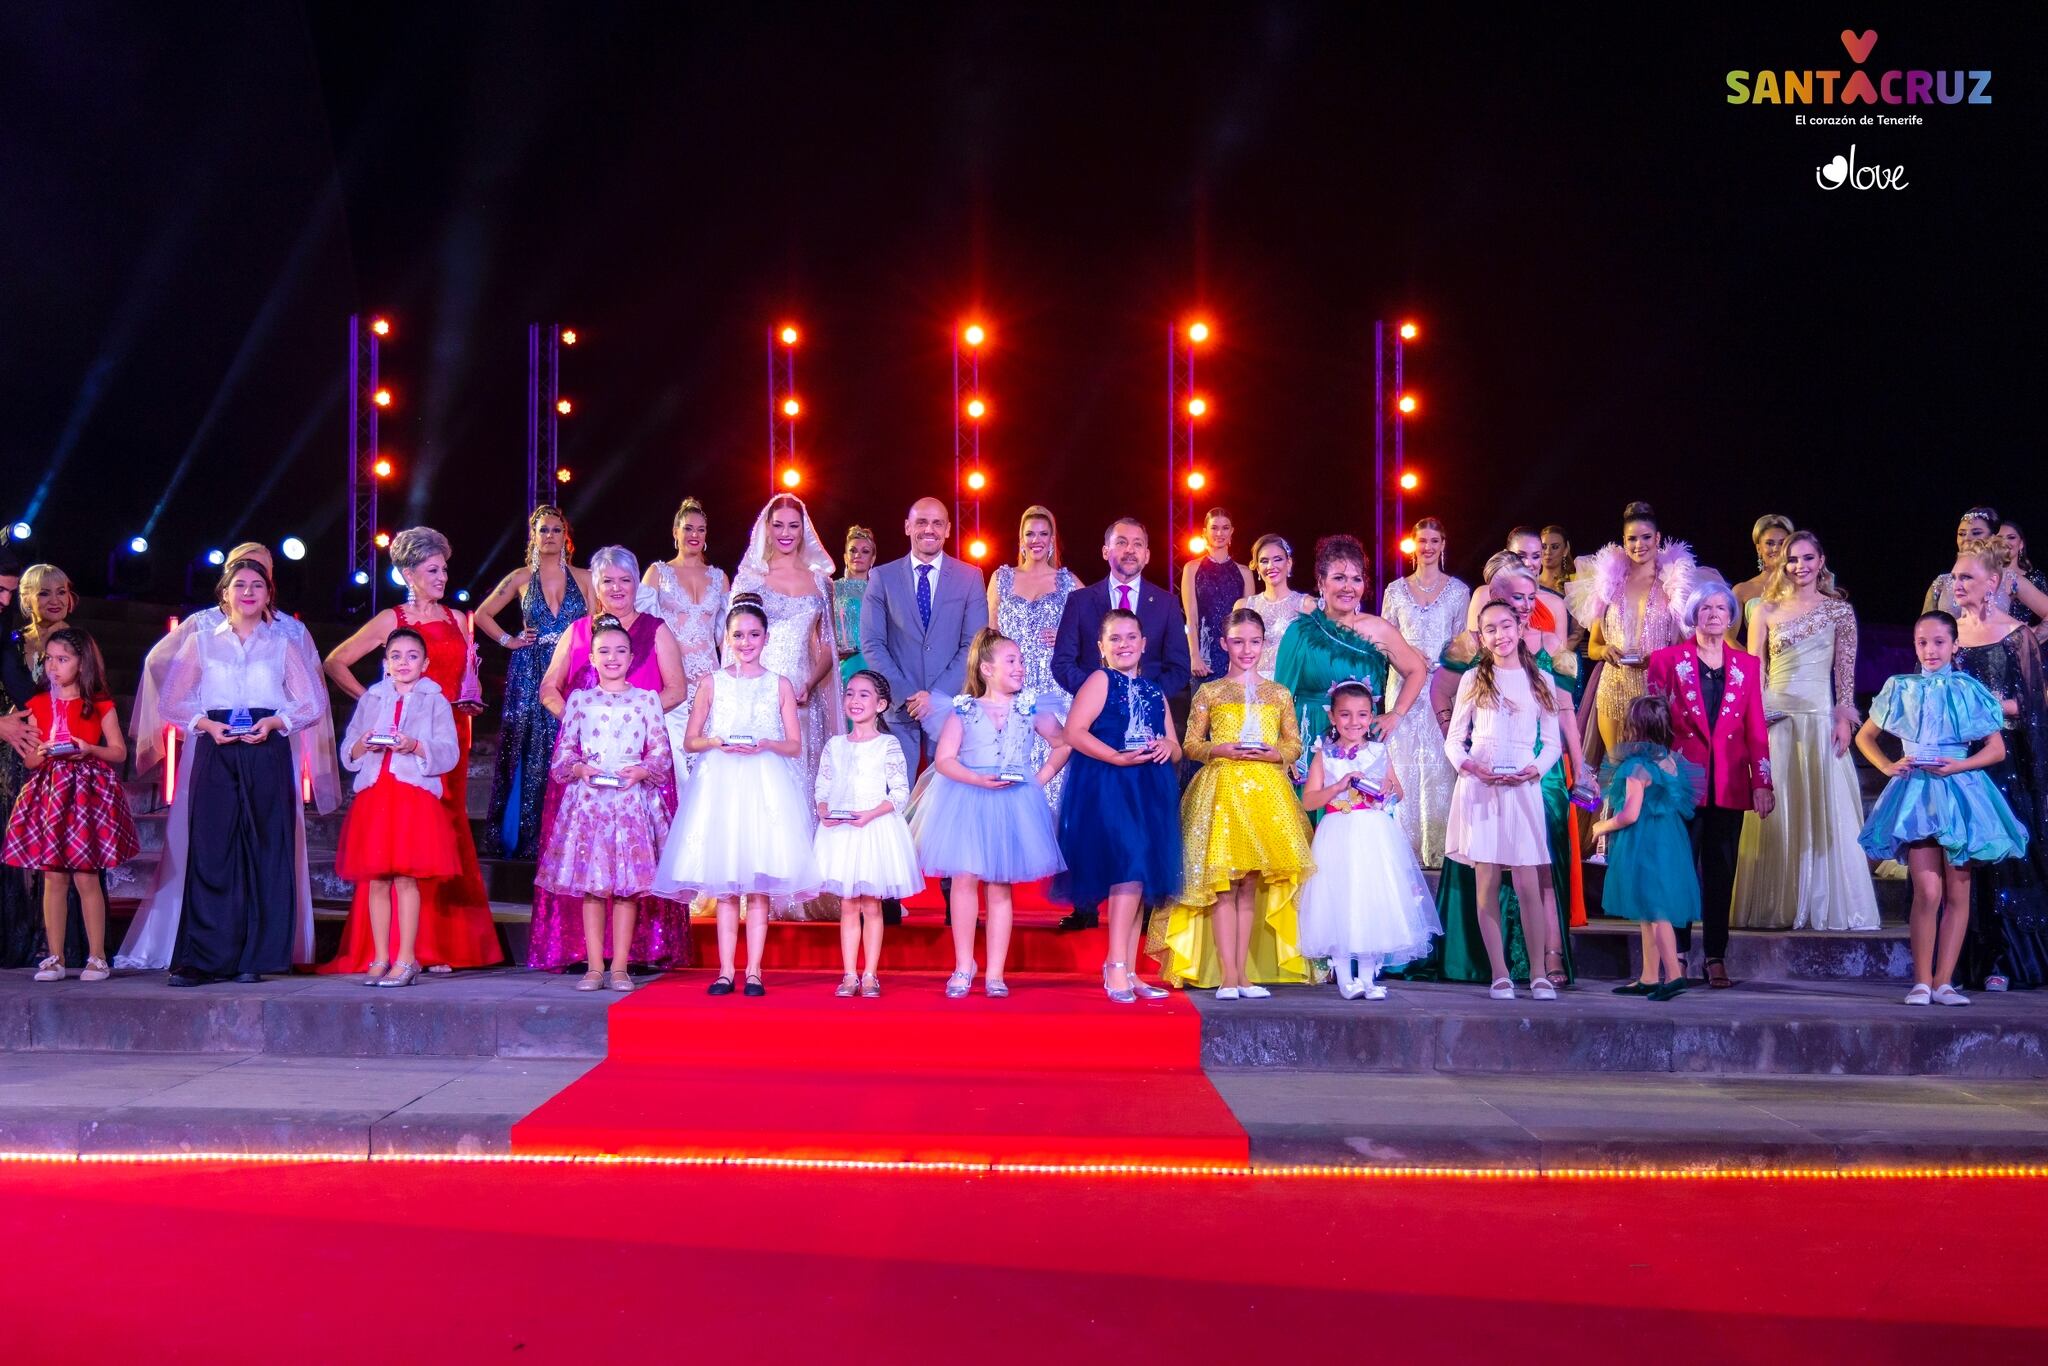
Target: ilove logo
column 1862, row 87
column 1843, row 170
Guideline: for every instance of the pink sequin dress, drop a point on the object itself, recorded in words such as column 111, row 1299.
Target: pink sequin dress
column 606, row 839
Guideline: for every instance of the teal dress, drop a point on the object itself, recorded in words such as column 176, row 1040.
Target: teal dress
column 1941, row 715
column 1315, row 655
column 1460, row 955
column 1650, row 872
column 847, row 597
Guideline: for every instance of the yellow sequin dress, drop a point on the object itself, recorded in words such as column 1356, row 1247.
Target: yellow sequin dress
column 1238, row 816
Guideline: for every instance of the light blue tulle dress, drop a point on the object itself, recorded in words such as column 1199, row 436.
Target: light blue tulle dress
column 1650, row 872
column 1941, row 715
column 997, row 834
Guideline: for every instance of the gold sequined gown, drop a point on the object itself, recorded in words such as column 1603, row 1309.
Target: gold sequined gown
column 1238, row 816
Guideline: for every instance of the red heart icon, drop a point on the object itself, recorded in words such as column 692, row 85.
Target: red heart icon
column 1859, row 45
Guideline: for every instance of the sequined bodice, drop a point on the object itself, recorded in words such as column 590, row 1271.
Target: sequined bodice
column 986, row 749
column 1812, row 663
column 791, row 622
column 1026, row 620
column 546, row 625
column 746, row 706
column 696, row 625
column 1218, row 586
column 847, row 597
column 1637, row 634
column 1278, row 614
column 1428, row 627
column 1129, row 700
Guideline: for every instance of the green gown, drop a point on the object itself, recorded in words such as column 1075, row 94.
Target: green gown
column 1460, row 956
column 1315, row 655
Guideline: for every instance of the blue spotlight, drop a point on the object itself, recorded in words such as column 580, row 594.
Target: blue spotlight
column 362, row 577
column 462, row 595
column 19, row 531
column 216, row 557
column 293, row 548
column 138, row 545
column 397, row 579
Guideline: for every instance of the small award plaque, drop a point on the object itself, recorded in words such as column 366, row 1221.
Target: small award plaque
column 838, row 815
column 376, row 741
column 64, row 748
column 1501, row 769
column 1360, row 783
column 1011, row 779
column 240, row 723
column 739, row 739
column 606, row 780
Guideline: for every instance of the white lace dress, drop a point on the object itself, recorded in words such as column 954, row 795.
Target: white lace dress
column 876, row 859
column 698, row 626
column 1417, row 746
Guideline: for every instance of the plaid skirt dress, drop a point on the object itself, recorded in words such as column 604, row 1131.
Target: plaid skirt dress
column 71, row 816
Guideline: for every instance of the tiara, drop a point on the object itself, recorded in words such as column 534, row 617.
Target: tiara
column 744, row 599
column 1354, row 681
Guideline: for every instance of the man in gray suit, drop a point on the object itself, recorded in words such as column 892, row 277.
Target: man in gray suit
column 916, row 622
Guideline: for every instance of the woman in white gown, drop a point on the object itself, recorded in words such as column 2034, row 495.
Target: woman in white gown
column 154, row 931
column 789, row 567
column 1803, row 869
column 1427, row 608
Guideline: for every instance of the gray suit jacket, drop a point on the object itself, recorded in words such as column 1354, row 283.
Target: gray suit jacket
column 903, row 650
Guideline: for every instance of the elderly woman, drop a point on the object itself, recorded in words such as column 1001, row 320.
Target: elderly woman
column 456, row 929
column 153, row 933
column 662, row 933
column 1717, row 722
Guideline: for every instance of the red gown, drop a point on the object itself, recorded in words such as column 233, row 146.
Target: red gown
column 456, row 929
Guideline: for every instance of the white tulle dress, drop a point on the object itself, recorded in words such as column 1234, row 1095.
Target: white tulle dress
column 744, row 828
column 1367, row 897
column 876, row 859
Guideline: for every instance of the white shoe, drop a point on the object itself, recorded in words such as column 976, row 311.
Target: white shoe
column 1920, row 995
column 1376, row 992
column 1946, row 995
column 1226, row 993
column 95, row 971
column 1540, row 988
column 1350, row 988
column 1254, row 993
column 1503, row 989
column 51, row 969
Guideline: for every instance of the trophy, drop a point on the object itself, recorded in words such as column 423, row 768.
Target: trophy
column 1137, row 730
column 240, row 724
column 63, row 744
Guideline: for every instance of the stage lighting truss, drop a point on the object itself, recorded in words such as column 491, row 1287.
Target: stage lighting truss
column 784, row 408
column 971, row 411
column 1186, row 409
column 367, row 399
column 545, row 409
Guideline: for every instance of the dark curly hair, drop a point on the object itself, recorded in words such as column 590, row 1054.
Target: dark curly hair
column 1340, row 549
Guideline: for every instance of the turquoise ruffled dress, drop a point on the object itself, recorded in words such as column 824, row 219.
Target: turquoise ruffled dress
column 1650, row 872
column 1941, row 715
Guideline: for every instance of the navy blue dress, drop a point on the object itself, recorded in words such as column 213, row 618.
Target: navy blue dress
column 1121, row 824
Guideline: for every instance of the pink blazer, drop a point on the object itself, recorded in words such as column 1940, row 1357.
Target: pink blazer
column 1737, row 739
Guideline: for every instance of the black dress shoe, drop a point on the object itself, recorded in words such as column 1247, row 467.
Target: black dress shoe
column 248, row 977
column 721, row 987
column 184, row 979
column 1080, row 920
column 892, row 912
column 754, row 988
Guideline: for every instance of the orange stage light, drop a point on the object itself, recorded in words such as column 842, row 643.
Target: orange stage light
column 1407, row 545
column 382, row 469
column 568, row 336
column 564, row 406
column 381, row 326
column 383, row 540
column 1198, row 544
column 790, row 407
column 976, row 480
column 1406, row 403
column 788, row 336
column 1411, row 481
column 382, row 398
column 1409, row 331
column 1197, row 406
column 977, row 550
column 1198, row 332
column 791, row 478
column 562, row 476
column 977, row 409
column 1197, row 479
column 974, row 334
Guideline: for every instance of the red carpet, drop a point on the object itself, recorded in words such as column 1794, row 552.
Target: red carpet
column 455, row 1264
column 1056, row 1073
column 923, row 943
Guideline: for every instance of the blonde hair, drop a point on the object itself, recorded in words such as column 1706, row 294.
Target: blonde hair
column 33, row 580
column 1486, row 690
column 533, row 520
column 1780, row 585
column 979, row 652
column 1038, row 510
column 1990, row 552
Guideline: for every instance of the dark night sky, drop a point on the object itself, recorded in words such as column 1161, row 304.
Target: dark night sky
column 1630, row 288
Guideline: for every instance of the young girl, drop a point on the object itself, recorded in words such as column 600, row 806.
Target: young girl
column 1119, row 831
column 742, row 834
column 1651, row 878
column 1940, row 806
column 1244, row 843
column 984, row 819
column 1367, row 905
column 398, row 744
column 71, row 818
column 863, row 846
column 611, row 757
column 1502, row 739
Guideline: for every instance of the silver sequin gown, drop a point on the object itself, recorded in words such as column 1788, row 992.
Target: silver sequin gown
column 1417, row 744
column 1026, row 621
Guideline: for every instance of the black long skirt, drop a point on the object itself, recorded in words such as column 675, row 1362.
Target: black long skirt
column 241, row 878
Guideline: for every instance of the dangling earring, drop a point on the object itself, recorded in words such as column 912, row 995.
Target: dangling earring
column 412, row 593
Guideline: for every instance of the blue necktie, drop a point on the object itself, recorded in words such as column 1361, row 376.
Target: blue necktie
column 924, row 596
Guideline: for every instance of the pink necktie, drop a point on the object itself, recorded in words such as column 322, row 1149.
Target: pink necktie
column 1123, row 591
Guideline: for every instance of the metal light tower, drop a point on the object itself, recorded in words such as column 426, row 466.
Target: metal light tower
column 545, row 409
column 783, row 408
column 1404, row 406
column 367, row 397
column 1185, row 409
column 970, row 411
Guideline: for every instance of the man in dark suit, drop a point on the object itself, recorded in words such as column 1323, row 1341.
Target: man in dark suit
column 1077, row 650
